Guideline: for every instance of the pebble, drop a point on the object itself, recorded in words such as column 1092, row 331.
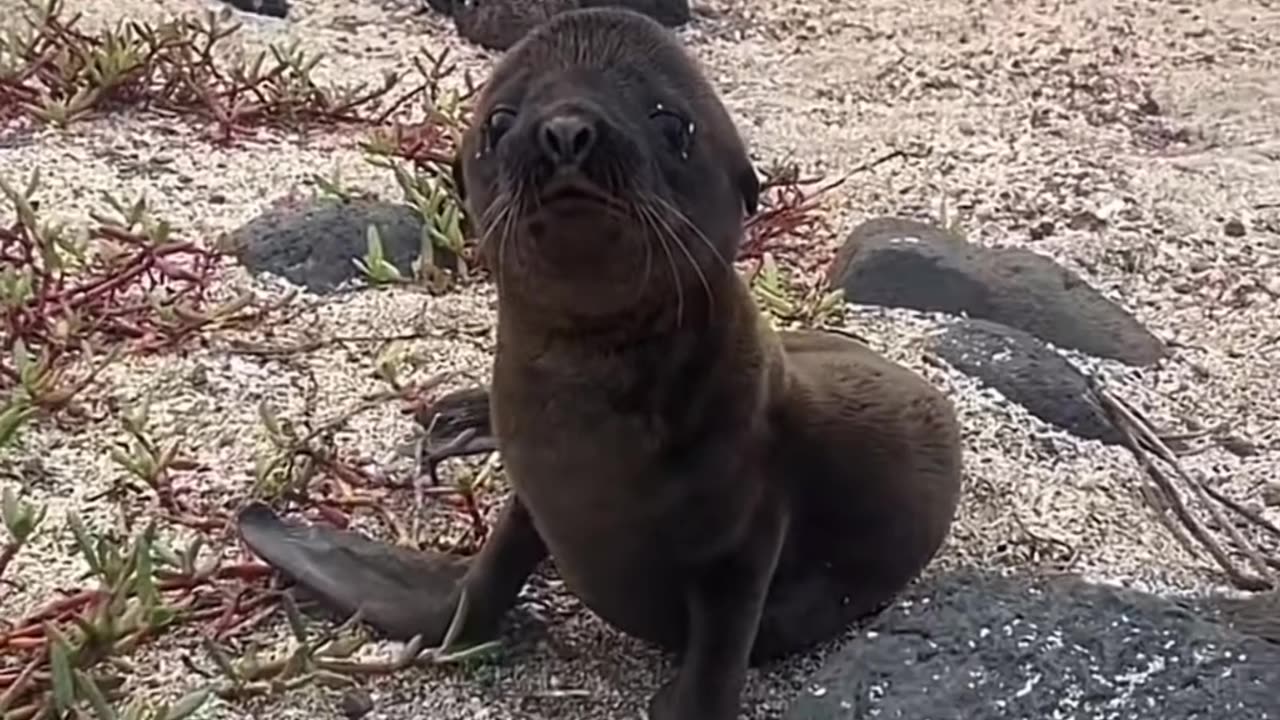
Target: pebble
column 1271, row 494
column 356, row 703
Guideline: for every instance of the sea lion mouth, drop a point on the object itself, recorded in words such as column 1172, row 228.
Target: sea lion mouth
column 577, row 190
column 571, row 189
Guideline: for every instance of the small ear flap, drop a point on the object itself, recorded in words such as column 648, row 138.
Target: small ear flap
column 459, row 182
column 749, row 187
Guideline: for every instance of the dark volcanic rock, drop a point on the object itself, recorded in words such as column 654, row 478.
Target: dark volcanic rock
column 899, row 262
column 672, row 13
column 271, row 8
column 1028, row 372
column 444, row 7
column 1255, row 614
column 979, row 647
column 356, row 703
column 315, row 244
column 499, row 24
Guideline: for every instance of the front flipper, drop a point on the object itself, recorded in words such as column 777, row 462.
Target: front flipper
column 725, row 601
column 401, row 592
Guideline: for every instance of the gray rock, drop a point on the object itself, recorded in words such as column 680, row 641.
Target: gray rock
column 1028, row 372
column 315, row 244
column 899, row 262
column 1271, row 494
column 973, row 646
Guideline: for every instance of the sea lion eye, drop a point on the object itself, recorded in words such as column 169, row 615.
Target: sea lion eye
column 500, row 121
column 675, row 129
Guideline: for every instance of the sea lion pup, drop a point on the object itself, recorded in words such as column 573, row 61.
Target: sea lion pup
column 700, row 481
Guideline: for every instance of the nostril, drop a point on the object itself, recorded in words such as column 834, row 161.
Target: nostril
column 583, row 139
column 567, row 139
column 551, row 141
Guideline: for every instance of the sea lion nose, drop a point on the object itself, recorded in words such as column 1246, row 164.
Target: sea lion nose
column 567, row 139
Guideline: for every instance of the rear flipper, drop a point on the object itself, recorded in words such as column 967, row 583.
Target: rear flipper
column 404, row 592
column 401, row 592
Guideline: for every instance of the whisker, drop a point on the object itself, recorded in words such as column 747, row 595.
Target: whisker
column 514, row 207
column 636, row 214
column 684, row 219
column 651, row 220
column 683, row 247
column 499, row 220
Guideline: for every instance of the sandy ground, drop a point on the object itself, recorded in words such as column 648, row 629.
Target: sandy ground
column 1041, row 118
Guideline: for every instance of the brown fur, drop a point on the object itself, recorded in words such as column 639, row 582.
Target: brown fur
column 731, row 493
column 699, row 481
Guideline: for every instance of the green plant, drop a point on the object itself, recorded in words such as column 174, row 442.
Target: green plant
column 52, row 72
column 21, row 520
column 782, row 300
column 63, row 677
column 374, row 265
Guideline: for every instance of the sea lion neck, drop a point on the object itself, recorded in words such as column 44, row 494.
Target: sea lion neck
column 654, row 378
column 659, row 314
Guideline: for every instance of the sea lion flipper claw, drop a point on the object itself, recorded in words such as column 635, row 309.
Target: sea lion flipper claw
column 457, row 425
column 454, row 412
column 400, row 592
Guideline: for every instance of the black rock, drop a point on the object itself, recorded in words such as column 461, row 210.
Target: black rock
column 271, row 8
column 899, row 262
column 315, row 245
column 672, row 13
column 1234, row 228
column 1257, row 614
column 499, row 24
column 1028, row 372
column 356, row 703
column 974, row 646
column 1042, row 230
column 444, row 7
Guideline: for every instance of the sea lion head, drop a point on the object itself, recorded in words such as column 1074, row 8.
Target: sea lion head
column 602, row 171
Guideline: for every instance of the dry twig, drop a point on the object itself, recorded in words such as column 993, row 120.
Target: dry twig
column 1146, row 445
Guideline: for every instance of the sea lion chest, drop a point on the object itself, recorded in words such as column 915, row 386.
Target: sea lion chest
column 623, row 504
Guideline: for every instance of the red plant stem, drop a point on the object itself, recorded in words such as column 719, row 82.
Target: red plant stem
column 23, row 680
column 235, row 571
column 391, row 109
column 140, row 264
column 477, row 519
column 249, row 622
column 196, row 523
column 352, row 475
column 60, row 607
column 32, row 626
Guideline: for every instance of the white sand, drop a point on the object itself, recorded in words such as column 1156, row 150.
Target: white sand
column 1003, row 94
